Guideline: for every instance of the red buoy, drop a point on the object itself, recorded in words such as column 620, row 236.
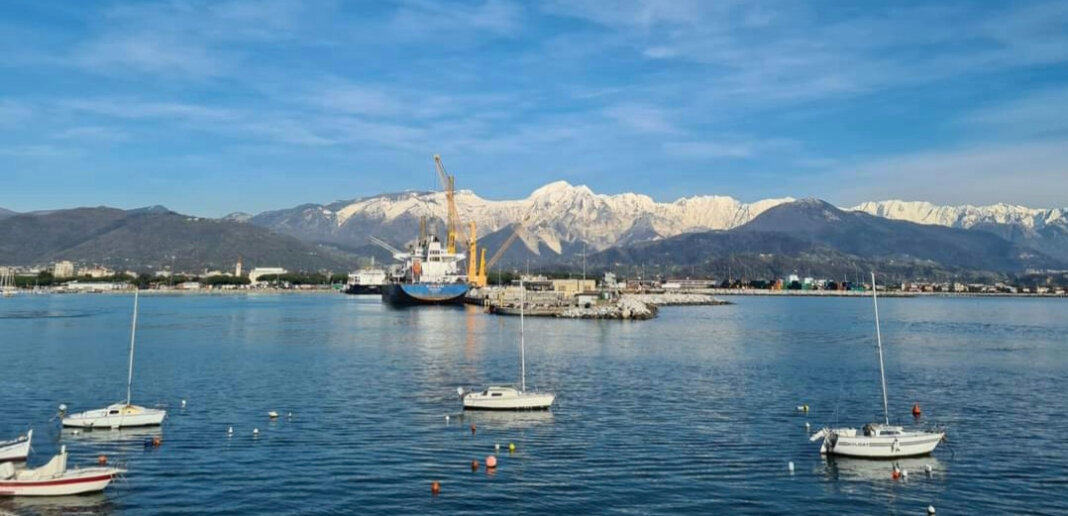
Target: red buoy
column 895, row 473
column 916, row 410
column 102, row 460
column 474, row 465
column 435, row 487
column 157, row 440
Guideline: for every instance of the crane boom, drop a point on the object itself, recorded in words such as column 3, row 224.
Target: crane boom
column 384, row 245
column 507, row 243
column 448, row 183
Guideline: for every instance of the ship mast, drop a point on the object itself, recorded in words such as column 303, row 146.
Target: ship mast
column 879, row 342
column 133, row 335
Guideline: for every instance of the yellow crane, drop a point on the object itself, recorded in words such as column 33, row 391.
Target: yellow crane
column 455, row 226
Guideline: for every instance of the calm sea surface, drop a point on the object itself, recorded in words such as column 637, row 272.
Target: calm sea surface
column 691, row 413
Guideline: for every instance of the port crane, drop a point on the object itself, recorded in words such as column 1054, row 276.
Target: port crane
column 476, row 269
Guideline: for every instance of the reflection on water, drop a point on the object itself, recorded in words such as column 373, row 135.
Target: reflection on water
column 96, row 503
column 849, row 468
column 690, row 413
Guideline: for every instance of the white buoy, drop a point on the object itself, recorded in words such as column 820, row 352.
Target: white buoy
column 497, row 447
column 905, row 474
column 183, row 403
column 76, row 432
column 229, row 430
column 930, row 509
column 790, row 466
column 807, row 426
column 446, row 418
column 289, row 415
column 272, row 414
column 927, row 468
column 255, row 431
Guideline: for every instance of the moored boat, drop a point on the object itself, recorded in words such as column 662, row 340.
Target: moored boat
column 119, row 415
column 497, row 397
column 16, row 449
column 407, row 294
column 878, row 440
column 54, row 479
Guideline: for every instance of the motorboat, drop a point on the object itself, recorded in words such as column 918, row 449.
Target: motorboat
column 119, row 415
column 503, row 397
column 878, row 440
column 16, row 449
column 54, row 479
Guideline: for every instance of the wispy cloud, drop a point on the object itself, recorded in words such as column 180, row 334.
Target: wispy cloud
column 94, row 133
column 641, row 118
column 1038, row 113
column 1033, row 174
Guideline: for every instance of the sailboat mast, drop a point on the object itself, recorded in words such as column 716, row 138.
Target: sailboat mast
column 133, row 335
column 522, row 343
column 879, row 342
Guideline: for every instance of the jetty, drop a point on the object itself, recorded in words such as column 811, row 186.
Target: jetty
column 593, row 305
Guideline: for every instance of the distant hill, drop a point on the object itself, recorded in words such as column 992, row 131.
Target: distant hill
column 4, row 213
column 148, row 238
column 812, row 237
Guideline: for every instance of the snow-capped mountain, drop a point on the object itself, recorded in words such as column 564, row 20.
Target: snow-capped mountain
column 557, row 214
column 563, row 219
column 966, row 216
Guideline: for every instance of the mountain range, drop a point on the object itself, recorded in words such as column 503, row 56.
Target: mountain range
column 563, row 223
column 154, row 238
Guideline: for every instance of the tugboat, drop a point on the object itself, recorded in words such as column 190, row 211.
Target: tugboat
column 429, row 276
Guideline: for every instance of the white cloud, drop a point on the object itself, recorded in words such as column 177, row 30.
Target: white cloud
column 1032, row 174
column 93, row 133
column 641, row 118
column 1036, row 113
column 705, row 149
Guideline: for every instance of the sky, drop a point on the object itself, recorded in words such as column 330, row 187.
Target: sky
column 221, row 106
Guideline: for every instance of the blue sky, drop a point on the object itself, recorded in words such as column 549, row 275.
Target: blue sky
column 213, row 107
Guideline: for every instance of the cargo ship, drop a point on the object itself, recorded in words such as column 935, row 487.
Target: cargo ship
column 367, row 281
column 430, row 275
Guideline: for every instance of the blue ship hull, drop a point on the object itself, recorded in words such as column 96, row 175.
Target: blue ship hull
column 409, row 294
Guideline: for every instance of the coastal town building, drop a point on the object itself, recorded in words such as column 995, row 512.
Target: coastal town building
column 63, row 269
column 258, row 272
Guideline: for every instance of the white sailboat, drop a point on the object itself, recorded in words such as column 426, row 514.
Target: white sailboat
column 123, row 414
column 16, row 449
column 878, row 440
column 506, row 397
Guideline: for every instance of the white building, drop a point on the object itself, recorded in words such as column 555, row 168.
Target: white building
column 95, row 272
column 255, row 274
column 63, row 269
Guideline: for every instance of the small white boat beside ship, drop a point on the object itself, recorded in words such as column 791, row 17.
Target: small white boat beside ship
column 878, row 440
column 503, row 397
column 16, row 449
column 54, row 479
column 119, row 415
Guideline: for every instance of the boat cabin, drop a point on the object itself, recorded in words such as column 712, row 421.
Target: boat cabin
column 875, row 430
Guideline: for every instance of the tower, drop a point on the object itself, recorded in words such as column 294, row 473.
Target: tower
column 237, row 269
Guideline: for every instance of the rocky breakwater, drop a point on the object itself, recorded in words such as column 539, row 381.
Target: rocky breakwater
column 637, row 306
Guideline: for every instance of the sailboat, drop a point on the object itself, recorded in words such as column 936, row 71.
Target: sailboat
column 506, row 397
column 123, row 414
column 878, row 440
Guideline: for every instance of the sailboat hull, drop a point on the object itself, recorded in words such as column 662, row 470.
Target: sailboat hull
column 881, row 447
column 116, row 417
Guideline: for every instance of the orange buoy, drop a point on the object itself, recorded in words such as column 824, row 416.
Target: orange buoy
column 473, row 429
column 435, row 487
column 474, row 465
column 103, row 459
column 895, row 473
column 157, row 440
column 491, row 462
column 916, row 410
